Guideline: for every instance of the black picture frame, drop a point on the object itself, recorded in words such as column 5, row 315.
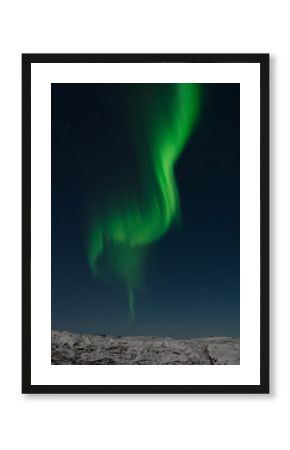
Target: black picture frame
column 263, row 60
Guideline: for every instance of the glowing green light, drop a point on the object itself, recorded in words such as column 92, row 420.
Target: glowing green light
column 129, row 221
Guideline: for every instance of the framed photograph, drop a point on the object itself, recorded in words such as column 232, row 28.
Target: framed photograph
column 145, row 232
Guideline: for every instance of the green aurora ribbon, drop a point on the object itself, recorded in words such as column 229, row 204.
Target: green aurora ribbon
column 131, row 219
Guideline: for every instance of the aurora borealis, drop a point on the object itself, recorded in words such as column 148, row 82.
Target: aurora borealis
column 145, row 209
column 138, row 215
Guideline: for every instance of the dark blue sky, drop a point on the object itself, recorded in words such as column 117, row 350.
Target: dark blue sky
column 192, row 276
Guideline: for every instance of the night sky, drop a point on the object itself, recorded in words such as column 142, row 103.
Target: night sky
column 190, row 284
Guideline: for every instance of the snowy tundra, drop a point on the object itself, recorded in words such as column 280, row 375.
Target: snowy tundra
column 88, row 349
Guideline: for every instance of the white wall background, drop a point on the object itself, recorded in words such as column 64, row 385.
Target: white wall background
column 109, row 422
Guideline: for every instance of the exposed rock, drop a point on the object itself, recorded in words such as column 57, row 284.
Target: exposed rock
column 90, row 349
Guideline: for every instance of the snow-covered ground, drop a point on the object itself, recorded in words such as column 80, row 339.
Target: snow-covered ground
column 73, row 348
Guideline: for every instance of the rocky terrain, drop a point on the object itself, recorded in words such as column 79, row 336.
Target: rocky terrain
column 88, row 349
